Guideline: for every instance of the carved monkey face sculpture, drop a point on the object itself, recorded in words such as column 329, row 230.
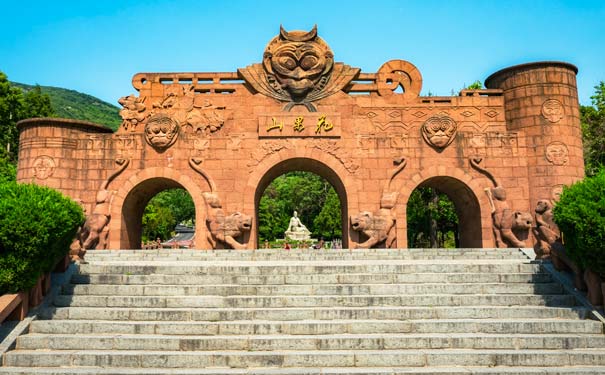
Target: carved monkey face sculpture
column 161, row 131
column 557, row 153
column 298, row 60
column 542, row 206
column 438, row 131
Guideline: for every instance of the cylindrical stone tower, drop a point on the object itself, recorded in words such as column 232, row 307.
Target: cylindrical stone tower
column 541, row 103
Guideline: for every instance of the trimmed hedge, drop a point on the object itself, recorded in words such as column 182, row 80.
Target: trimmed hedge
column 37, row 225
column 580, row 215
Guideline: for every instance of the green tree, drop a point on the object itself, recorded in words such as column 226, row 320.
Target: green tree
column 593, row 131
column 8, row 170
column 11, row 109
column 158, row 222
column 15, row 106
column 36, row 104
column 328, row 224
column 164, row 211
column 477, row 85
column 432, row 219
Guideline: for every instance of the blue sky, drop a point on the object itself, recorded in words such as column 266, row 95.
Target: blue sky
column 97, row 46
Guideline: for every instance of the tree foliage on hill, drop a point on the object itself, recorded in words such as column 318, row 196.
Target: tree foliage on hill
column 314, row 199
column 16, row 106
column 76, row 105
column 593, row 131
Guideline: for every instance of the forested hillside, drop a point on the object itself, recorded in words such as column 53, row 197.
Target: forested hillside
column 75, row 105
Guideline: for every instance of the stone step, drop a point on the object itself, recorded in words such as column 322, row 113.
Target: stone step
column 316, row 313
column 311, row 290
column 247, row 253
column 309, row 342
column 299, row 279
column 441, row 370
column 304, row 358
column 319, row 327
column 308, row 267
column 305, row 256
column 315, row 301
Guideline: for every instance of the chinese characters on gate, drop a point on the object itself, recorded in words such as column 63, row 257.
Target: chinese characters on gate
column 298, row 125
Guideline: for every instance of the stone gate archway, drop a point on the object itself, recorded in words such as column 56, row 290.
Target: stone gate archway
column 222, row 135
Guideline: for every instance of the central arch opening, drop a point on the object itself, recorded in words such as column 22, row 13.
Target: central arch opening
column 329, row 200
column 151, row 212
column 443, row 212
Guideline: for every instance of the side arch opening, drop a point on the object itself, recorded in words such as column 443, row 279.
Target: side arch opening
column 468, row 229
column 134, row 205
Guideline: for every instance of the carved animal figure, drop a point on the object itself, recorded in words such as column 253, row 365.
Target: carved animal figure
column 378, row 227
column 225, row 228
column 133, row 112
column 504, row 219
column 546, row 231
column 507, row 222
column 94, row 231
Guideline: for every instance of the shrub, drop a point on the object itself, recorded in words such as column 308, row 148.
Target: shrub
column 37, row 225
column 580, row 214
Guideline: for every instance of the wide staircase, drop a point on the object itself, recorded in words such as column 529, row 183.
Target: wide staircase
column 430, row 311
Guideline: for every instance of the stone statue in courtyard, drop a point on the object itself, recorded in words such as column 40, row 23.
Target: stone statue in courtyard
column 297, row 230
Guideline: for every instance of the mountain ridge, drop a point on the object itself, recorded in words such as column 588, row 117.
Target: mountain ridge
column 72, row 104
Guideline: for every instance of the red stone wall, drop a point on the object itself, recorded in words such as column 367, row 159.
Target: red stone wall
column 230, row 133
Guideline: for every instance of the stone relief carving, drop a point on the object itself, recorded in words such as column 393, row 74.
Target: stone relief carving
column 546, row 230
column 161, row 131
column 385, row 118
column 205, row 118
column 488, row 144
column 557, row 153
column 555, row 192
column 398, row 74
column 222, row 228
column 267, row 148
column 95, row 229
column 508, row 225
column 332, row 148
column 379, row 226
column 192, row 113
column 298, row 68
column 439, row 131
column 133, row 112
column 44, row 167
column 195, row 164
column 552, row 110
